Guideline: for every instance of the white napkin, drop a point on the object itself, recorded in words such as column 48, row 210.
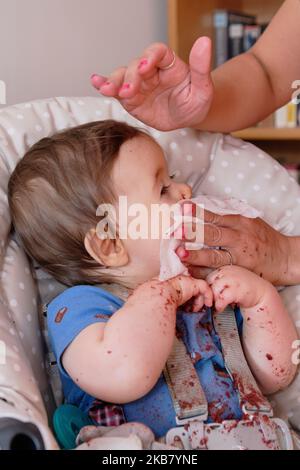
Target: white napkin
column 170, row 263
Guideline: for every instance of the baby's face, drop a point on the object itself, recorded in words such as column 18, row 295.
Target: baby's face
column 141, row 174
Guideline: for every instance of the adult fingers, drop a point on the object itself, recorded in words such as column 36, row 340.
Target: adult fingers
column 230, row 220
column 214, row 235
column 199, row 272
column 157, row 55
column 112, row 84
column 209, row 258
column 209, row 234
column 131, row 80
column 98, row 80
column 200, row 66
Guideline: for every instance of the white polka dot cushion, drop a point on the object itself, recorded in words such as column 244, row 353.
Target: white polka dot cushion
column 213, row 164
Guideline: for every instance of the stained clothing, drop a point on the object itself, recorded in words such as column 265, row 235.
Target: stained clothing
column 80, row 306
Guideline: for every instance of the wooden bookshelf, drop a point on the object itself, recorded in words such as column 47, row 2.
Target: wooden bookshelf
column 268, row 133
column 189, row 19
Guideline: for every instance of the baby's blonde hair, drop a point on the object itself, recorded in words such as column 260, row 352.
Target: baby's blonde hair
column 54, row 193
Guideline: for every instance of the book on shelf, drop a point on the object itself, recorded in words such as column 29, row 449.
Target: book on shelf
column 251, row 35
column 229, row 33
column 234, row 33
column 286, row 116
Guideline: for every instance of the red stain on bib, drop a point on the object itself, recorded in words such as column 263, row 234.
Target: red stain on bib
column 60, row 314
column 101, row 315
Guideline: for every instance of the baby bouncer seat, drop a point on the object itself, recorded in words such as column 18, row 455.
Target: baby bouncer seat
column 213, row 164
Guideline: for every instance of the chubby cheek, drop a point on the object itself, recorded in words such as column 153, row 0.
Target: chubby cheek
column 145, row 254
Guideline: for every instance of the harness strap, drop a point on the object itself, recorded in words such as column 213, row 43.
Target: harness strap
column 251, row 398
column 188, row 397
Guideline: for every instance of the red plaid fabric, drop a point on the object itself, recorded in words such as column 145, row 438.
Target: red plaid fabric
column 106, row 414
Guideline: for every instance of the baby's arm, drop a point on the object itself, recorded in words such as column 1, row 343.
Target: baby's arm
column 268, row 331
column 121, row 360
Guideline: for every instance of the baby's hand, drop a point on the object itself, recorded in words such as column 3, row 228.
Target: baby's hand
column 234, row 284
column 197, row 291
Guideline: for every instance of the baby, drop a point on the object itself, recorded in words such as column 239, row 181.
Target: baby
column 111, row 347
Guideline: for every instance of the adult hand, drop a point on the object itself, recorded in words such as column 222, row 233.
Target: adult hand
column 250, row 243
column 164, row 98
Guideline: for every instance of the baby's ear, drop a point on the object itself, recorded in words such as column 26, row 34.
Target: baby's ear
column 109, row 252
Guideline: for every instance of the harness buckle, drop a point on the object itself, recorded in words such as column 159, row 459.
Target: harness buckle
column 183, row 421
column 259, row 432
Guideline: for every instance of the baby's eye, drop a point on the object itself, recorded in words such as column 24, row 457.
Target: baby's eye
column 164, row 189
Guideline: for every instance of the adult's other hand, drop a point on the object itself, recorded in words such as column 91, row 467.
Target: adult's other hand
column 250, row 243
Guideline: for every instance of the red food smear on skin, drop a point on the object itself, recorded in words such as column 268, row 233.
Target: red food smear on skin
column 269, row 357
column 225, row 287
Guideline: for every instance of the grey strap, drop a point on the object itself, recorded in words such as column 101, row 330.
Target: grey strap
column 188, row 398
column 251, row 397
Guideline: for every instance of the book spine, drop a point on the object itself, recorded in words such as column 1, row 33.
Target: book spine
column 280, row 117
column 236, row 35
column 220, row 21
column 251, row 34
column 286, row 116
column 236, row 24
column 291, row 113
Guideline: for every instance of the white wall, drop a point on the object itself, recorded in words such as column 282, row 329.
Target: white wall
column 51, row 47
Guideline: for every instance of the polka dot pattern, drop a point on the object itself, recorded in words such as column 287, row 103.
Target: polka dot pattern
column 173, row 145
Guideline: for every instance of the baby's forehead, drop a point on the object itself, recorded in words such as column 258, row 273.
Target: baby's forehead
column 142, row 152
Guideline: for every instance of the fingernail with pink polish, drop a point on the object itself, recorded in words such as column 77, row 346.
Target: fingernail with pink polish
column 125, row 86
column 182, row 253
column 142, row 63
column 96, row 80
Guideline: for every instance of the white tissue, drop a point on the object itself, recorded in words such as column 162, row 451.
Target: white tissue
column 170, row 263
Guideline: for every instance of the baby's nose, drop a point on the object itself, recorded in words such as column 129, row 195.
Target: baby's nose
column 185, row 191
